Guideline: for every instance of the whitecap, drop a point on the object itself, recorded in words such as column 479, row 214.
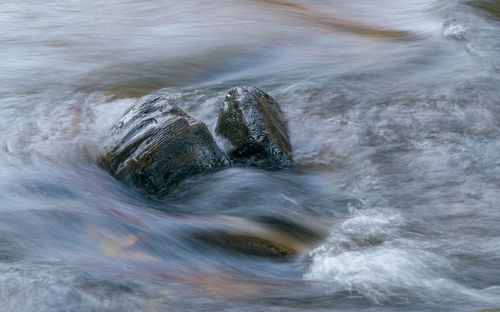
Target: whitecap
column 372, row 254
column 455, row 31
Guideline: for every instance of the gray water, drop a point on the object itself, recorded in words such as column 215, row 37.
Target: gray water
column 394, row 116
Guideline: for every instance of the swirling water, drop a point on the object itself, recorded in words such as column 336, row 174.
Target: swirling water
column 393, row 109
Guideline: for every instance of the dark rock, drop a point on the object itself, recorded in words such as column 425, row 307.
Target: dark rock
column 156, row 145
column 253, row 123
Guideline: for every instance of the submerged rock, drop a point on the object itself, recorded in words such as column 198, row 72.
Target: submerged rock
column 253, row 123
column 292, row 229
column 268, row 237
column 247, row 244
column 156, row 145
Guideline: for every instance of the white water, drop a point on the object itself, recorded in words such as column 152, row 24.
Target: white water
column 393, row 114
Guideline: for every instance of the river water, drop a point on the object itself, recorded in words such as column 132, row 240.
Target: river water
column 394, row 117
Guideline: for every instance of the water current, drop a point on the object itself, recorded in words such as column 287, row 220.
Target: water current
column 394, row 116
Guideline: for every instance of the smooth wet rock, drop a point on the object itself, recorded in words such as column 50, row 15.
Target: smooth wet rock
column 156, row 145
column 254, row 126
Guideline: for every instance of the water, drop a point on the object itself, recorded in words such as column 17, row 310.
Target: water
column 393, row 110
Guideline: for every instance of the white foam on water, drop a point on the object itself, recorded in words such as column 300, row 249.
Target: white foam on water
column 455, row 31
column 368, row 254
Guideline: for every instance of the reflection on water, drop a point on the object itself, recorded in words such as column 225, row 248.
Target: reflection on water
column 491, row 7
column 313, row 16
column 393, row 114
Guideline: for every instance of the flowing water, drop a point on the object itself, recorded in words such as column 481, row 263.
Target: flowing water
column 394, row 117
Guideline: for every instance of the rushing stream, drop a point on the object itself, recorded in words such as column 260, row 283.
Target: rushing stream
column 394, row 116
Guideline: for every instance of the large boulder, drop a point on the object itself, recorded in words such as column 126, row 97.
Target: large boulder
column 254, row 126
column 156, row 145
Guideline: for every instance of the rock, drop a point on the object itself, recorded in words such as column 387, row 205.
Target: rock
column 253, row 123
column 156, row 145
column 269, row 237
column 246, row 244
column 292, row 229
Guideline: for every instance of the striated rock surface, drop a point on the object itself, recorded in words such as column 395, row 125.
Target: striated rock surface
column 254, row 125
column 156, row 145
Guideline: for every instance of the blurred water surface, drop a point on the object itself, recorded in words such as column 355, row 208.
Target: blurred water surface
column 393, row 108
